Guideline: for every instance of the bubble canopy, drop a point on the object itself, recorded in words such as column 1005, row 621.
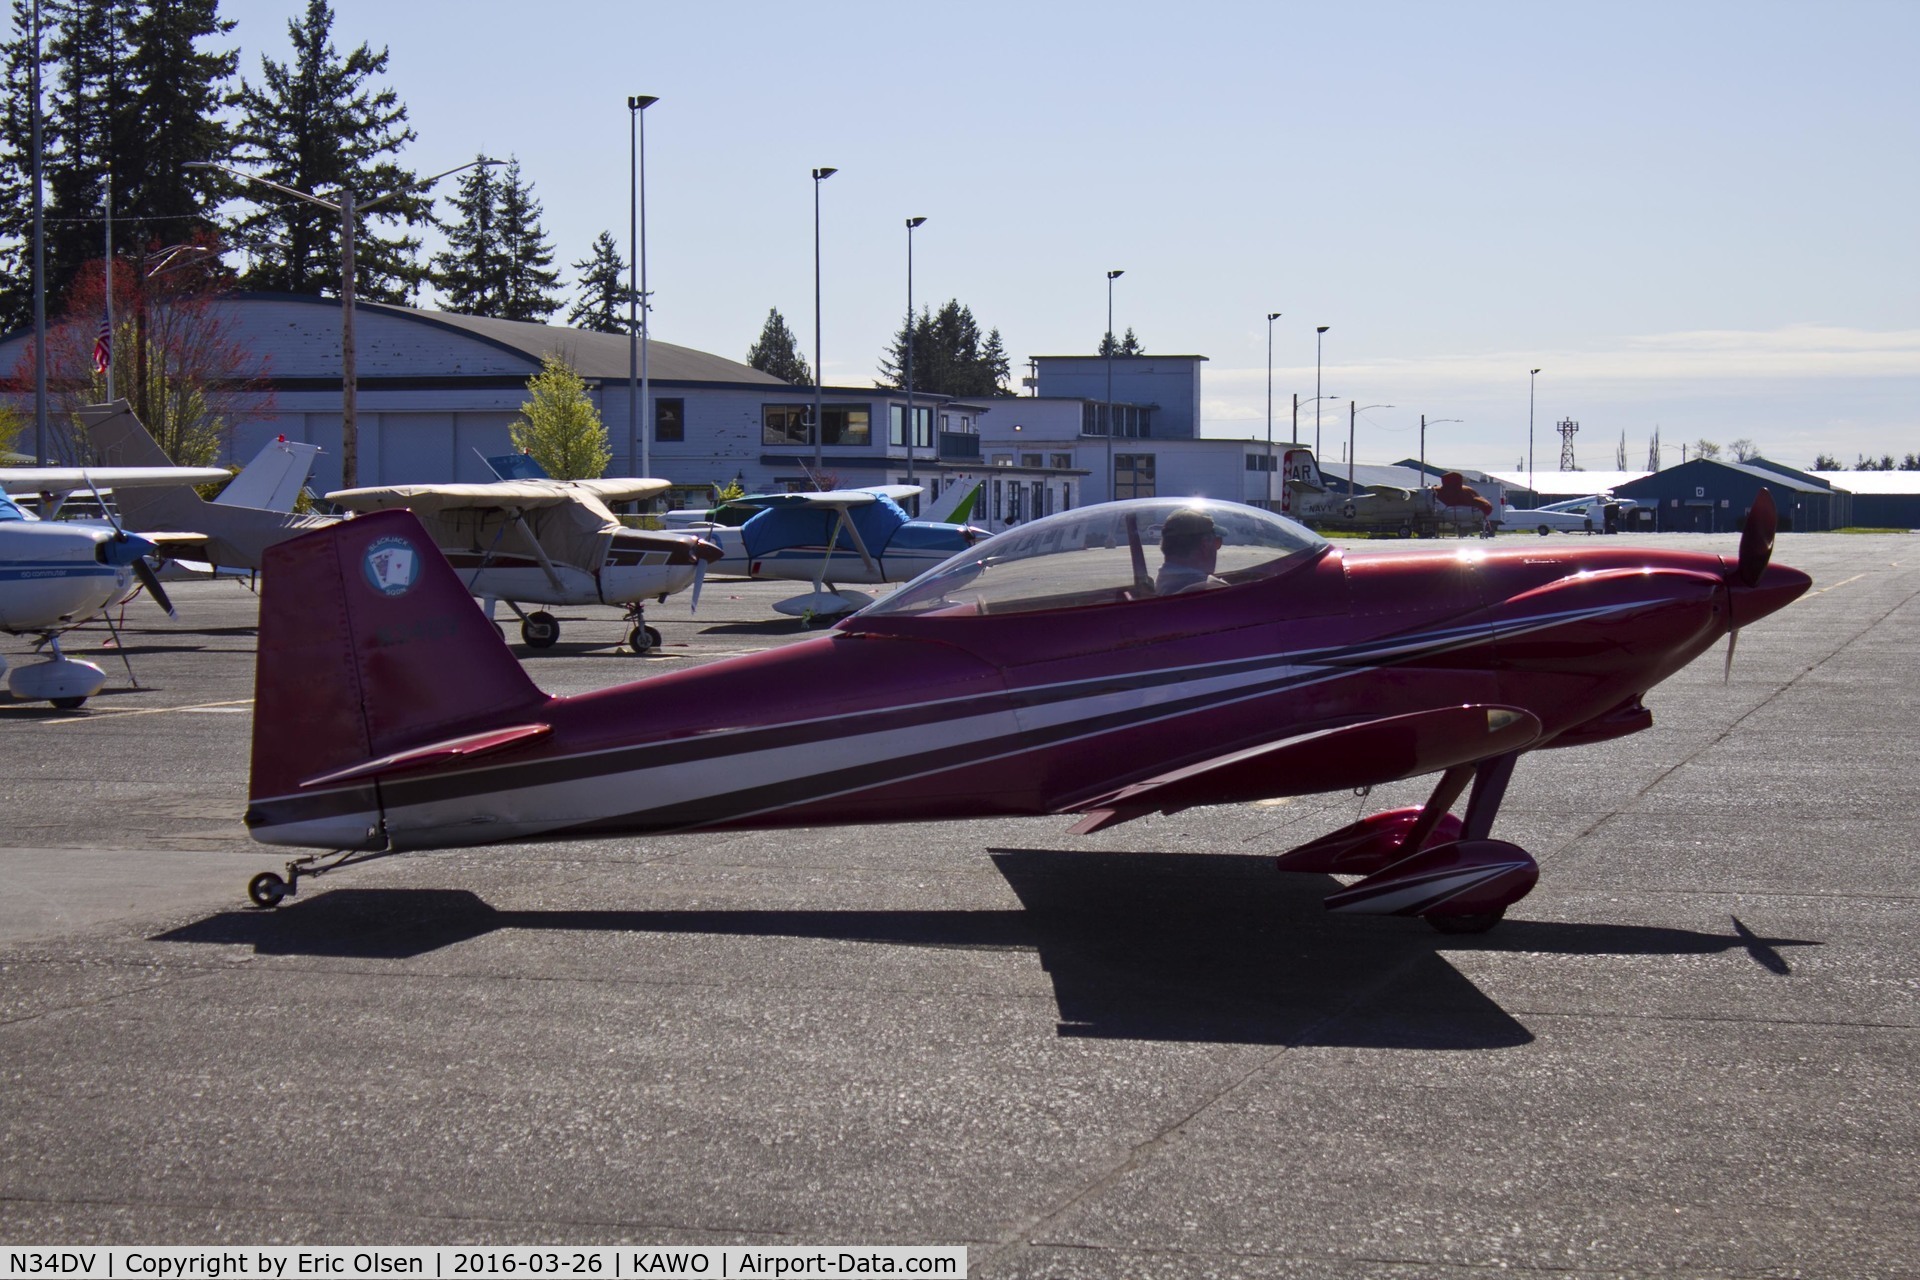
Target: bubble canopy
column 1103, row 555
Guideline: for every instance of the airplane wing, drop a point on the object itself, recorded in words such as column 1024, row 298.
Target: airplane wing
column 80, row 479
column 632, row 489
column 841, row 499
column 434, row 499
column 1324, row 760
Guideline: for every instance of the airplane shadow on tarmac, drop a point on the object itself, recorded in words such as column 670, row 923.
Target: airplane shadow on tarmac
column 1139, row 946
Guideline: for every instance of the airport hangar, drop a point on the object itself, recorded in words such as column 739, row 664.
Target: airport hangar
column 436, row 392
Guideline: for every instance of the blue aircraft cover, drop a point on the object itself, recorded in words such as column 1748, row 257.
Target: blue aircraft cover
column 778, row 528
column 518, row 466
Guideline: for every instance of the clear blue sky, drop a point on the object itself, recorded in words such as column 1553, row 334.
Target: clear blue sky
column 1697, row 215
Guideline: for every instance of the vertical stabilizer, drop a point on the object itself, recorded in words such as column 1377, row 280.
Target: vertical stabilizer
column 369, row 645
column 120, row 439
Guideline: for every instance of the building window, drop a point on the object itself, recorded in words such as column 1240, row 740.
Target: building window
column 670, row 421
column 1029, row 459
column 786, row 424
column 1260, row 462
column 1133, row 476
column 922, row 421
column 1061, row 461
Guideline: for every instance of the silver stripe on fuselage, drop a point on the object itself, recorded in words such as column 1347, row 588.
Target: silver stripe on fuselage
column 518, row 812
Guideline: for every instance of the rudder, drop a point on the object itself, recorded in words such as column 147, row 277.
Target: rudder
column 369, row 644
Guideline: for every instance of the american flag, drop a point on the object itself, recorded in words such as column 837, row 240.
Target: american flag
column 103, row 346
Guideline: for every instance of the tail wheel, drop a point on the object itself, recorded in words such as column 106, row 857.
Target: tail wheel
column 540, row 629
column 1544, row 530
column 266, row 889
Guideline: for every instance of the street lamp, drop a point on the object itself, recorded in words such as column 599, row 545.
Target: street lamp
column 349, row 210
column 819, row 374
column 911, row 425
column 1353, row 413
column 1534, row 497
column 637, row 293
column 1318, row 333
column 1313, row 400
column 1271, row 317
column 1423, row 444
column 1113, row 489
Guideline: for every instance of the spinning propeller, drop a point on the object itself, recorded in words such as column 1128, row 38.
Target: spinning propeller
column 1756, row 552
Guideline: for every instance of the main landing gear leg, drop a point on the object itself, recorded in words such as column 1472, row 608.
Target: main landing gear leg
column 1425, row 862
column 269, row 889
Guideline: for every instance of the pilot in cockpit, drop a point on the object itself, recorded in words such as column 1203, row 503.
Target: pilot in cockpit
column 1190, row 546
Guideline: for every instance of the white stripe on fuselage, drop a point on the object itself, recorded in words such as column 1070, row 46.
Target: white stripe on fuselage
column 509, row 812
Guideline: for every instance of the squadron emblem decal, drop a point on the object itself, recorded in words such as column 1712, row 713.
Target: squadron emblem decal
column 391, row 566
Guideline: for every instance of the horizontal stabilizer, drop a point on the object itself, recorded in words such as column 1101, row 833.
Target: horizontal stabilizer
column 1355, row 755
column 434, row 753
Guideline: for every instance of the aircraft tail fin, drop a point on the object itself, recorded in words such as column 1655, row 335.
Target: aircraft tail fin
column 120, row 439
column 954, row 505
column 369, row 645
column 273, row 480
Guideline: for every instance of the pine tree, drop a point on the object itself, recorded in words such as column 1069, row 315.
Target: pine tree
column 470, row 274
column 181, row 96
column 559, row 425
column 126, row 91
column 315, row 124
column 16, row 169
column 530, row 278
column 949, row 357
column 776, row 352
column 602, row 302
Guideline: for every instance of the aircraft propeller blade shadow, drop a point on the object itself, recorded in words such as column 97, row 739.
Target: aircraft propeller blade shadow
column 1163, row 947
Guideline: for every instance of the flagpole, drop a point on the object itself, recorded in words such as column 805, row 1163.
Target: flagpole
column 106, row 325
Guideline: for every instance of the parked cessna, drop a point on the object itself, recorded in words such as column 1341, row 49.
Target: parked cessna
column 837, row 536
column 55, row 574
column 1107, row 662
column 549, row 542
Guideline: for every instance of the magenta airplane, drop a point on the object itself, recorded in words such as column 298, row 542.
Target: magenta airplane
column 1135, row 657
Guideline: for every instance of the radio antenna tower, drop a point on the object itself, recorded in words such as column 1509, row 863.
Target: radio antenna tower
column 1567, row 427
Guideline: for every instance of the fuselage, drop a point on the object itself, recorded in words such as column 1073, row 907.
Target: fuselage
column 974, row 709
column 53, row 573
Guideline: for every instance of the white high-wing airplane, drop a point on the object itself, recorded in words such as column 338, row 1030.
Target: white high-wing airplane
column 55, row 574
column 833, row 537
column 549, row 542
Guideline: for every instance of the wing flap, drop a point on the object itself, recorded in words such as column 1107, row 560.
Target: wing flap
column 1362, row 754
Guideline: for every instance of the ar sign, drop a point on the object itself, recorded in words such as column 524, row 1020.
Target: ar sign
column 391, row 566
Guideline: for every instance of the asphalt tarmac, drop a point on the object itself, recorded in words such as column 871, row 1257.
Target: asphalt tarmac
column 1694, row 1050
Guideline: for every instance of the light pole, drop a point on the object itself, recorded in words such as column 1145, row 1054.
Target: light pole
column 1531, row 495
column 1319, row 332
column 639, row 442
column 819, row 176
column 1352, row 414
column 1313, row 400
column 39, row 266
column 1271, row 317
column 1423, row 444
column 1113, row 484
column 349, row 211
column 911, row 425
